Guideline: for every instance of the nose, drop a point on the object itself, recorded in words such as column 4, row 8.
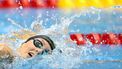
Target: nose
column 38, row 51
column 34, row 52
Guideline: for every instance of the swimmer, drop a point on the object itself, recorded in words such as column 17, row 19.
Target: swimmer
column 33, row 46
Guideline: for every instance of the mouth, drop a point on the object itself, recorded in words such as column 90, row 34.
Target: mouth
column 31, row 54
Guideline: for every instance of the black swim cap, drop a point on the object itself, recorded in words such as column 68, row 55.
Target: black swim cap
column 51, row 43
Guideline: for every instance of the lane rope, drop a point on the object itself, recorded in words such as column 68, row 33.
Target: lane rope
column 97, row 38
column 68, row 4
column 101, row 61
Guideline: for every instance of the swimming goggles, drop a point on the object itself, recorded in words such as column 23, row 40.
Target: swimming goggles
column 37, row 43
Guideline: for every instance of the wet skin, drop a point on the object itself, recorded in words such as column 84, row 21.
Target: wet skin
column 33, row 47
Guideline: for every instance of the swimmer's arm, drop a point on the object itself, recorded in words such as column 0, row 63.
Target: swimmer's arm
column 2, row 46
column 4, row 49
column 5, row 52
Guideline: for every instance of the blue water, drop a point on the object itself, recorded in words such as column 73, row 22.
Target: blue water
column 65, row 23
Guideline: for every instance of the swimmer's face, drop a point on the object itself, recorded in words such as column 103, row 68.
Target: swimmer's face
column 34, row 47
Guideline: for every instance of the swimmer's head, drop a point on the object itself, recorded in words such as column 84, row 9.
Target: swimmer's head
column 36, row 45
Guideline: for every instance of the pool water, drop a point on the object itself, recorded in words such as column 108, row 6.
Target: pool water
column 59, row 24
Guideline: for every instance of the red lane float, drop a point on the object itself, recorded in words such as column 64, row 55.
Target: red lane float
column 120, row 38
column 96, row 38
column 79, row 38
column 28, row 3
column 32, row 3
column 37, row 4
column 109, row 38
column 51, row 3
column 8, row 4
column 24, row 3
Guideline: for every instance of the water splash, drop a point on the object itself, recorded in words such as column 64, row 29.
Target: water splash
column 67, row 55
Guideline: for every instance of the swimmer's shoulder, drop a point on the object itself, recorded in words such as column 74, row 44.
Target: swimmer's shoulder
column 4, row 47
column 5, row 51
